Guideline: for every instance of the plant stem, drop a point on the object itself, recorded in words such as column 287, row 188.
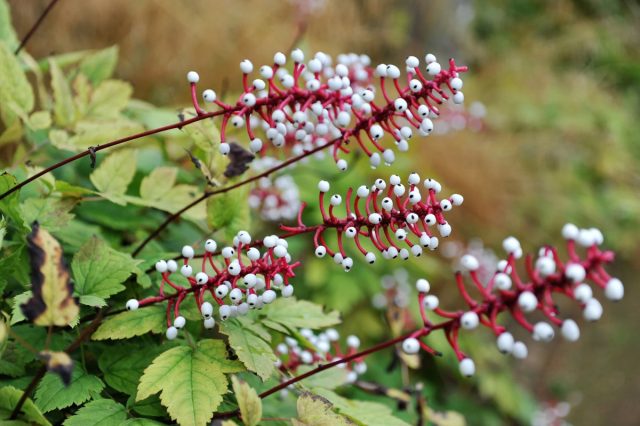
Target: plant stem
column 35, row 26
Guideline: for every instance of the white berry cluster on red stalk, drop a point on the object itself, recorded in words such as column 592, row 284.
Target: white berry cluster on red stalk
column 316, row 348
column 521, row 294
column 239, row 278
column 315, row 103
column 397, row 220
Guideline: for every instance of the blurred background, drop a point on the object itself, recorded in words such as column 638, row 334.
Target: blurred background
column 550, row 134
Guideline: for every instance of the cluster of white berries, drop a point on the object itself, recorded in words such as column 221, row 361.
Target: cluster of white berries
column 519, row 296
column 238, row 277
column 397, row 220
column 275, row 198
column 317, row 103
column 293, row 353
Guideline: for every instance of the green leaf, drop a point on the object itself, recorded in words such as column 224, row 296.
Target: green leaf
column 10, row 205
column 204, row 134
column 113, row 175
column 99, row 65
column 190, row 384
column 229, row 211
column 101, row 412
column 361, row 412
column 132, row 323
column 64, row 111
column 248, row 400
column 293, row 313
column 40, row 120
column 15, row 89
column 149, row 407
column 314, row 410
column 109, row 99
column 254, row 352
column 7, row 33
column 141, row 422
column 16, row 312
column 99, row 270
column 51, row 213
column 158, row 183
column 90, row 300
column 123, row 368
column 51, row 393
column 97, row 132
column 216, row 351
column 328, row 379
column 9, row 397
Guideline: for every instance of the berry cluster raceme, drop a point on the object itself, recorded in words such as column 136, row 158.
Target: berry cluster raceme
column 239, row 278
column 294, row 353
column 317, row 104
column 396, row 219
column 508, row 291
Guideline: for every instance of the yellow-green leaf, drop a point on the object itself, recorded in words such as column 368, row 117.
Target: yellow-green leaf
column 7, row 33
column 103, row 412
column 190, row 384
column 52, row 302
column 252, row 350
column 293, row 313
column 113, row 175
column 64, row 111
column 99, row 270
column 96, row 132
column 99, row 65
column 229, row 211
column 40, row 120
column 109, row 99
column 248, row 400
column 9, row 397
column 158, row 183
column 14, row 86
column 362, row 412
column 314, row 410
column 132, row 323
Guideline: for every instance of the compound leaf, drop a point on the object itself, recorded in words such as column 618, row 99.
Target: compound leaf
column 190, row 384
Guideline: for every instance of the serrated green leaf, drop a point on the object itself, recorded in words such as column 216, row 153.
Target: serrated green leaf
column 95, row 132
column 50, row 213
column 14, row 87
column 7, row 33
column 99, row 270
column 59, row 138
column 123, row 368
column 255, row 353
column 91, row 300
column 64, row 112
column 248, row 400
column 229, row 211
column 109, row 99
column 99, row 65
column 113, row 175
column 9, row 397
column 150, row 407
column 141, row 422
column 203, row 133
column 101, row 412
column 314, row 410
column 361, row 412
column 190, row 384
column 216, row 351
column 132, row 323
column 16, row 312
column 294, row 313
column 51, row 393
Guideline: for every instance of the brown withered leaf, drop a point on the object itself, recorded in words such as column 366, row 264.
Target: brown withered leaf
column 59, row 363
column 239, row 159
column 52, row 302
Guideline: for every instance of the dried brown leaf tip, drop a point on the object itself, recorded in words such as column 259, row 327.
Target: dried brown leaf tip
column 52, row 302
column 59, row 363
column 239, row 159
